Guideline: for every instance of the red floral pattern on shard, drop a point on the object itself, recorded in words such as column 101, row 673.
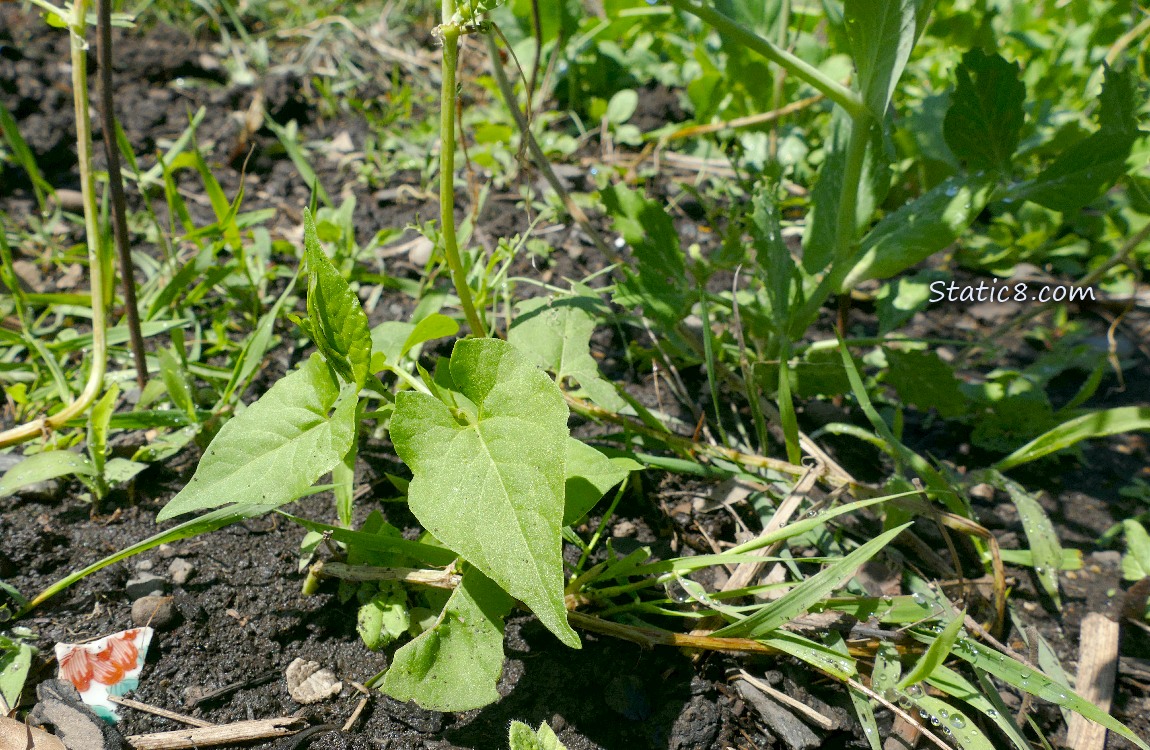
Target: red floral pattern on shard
column 107, row 666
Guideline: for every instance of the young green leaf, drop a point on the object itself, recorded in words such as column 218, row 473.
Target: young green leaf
column 920, row 229
column 489, row 483
column 273, row 451
column 523, row 737
column 802, row 597
column 385, row 617
column 434, row 326
column 44, row 466
column 921, row 378
column 1119, row 101
column 336, row 319
column 589, row 475
column 15, row 661
column 455, row 665
column 882, row 34
column 98, row 420
column 556, row 335
column 179, row 389
column 1136, row 561
column 935, row 654
column 660, row 283
column 984, row 122
column 1094, row 425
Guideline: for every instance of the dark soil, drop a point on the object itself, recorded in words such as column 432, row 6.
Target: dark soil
column 242, row 618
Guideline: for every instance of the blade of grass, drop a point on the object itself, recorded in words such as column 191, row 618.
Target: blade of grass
column 1088, row 426
column 935, row 654
column 809, row 592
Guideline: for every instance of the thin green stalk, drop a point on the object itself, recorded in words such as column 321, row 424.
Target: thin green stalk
column 804, row 71
column 450, row 33
column 77, row 27
column 846, row 226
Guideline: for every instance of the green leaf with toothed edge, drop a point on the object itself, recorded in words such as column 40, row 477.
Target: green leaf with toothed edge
column 489, row 474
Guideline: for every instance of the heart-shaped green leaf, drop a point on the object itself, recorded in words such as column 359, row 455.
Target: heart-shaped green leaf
column 489, row 477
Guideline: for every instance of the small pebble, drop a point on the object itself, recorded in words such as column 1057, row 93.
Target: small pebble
column 145, row 584
column 420, row 252
column 624, row 529
column 154, row 611
column 145, row 565
column 167, row 550
column 180, row 570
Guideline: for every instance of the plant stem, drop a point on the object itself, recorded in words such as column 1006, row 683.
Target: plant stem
column 450, row 34
column 804, row 71
column 35, row 428
column 845, row 228
column 116, row 186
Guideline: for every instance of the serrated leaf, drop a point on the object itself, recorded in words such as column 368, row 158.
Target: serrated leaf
column 881, row 35
column 660, row 282
column 935, row 654
column 802, row 597
column 921, row 378
column 984, row 122
column 337, row 320
column 556, row 335
column 921, row 228
column 589, row 475
column 455, row 665
column 489, row 483
column 1119, row 101
column 1080, row 174
column 1094, row 425
column 44, row 466
column 273, row 451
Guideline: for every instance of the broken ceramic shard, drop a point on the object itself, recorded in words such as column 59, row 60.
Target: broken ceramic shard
column 108, row 666
column 307, row 683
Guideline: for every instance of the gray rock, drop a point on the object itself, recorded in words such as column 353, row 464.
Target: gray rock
column 167, row 550
column 145, row 584
column 154, row 611
column 180, row 570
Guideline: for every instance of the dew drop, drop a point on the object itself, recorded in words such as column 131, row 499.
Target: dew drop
column 957, row 722
column 919, row 599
